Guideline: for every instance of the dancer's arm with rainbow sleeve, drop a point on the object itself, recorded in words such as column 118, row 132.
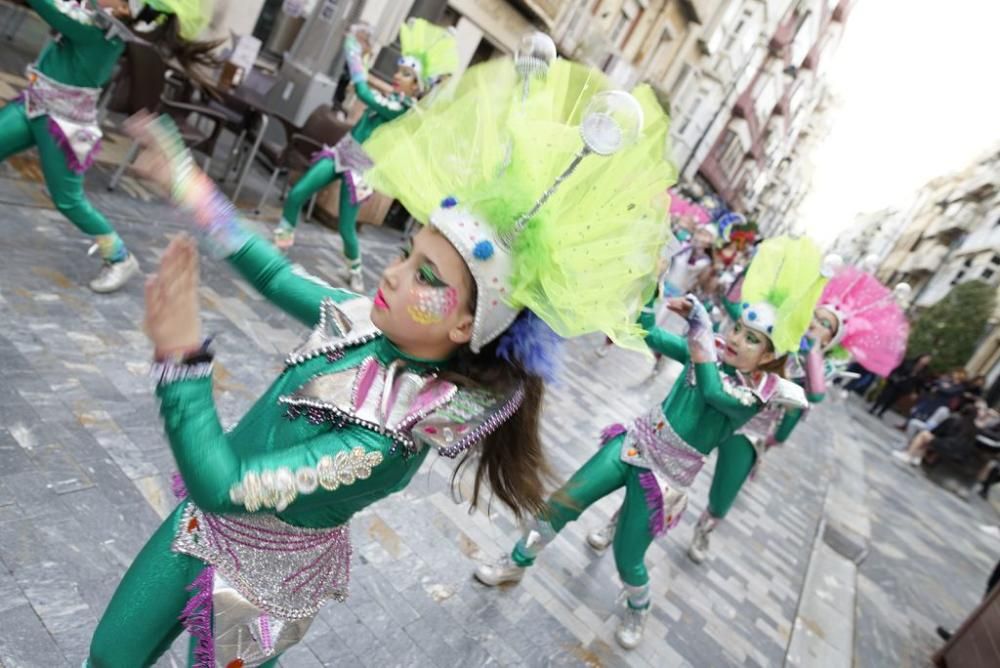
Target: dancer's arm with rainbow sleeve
column 217, row 223
column 62, row 22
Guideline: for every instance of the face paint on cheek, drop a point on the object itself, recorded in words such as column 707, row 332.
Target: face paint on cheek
column 432, row 304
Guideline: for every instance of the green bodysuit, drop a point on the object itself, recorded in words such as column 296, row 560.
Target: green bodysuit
column 347, row 423
column 655, row 460
column 346, row 161
column 58, row 113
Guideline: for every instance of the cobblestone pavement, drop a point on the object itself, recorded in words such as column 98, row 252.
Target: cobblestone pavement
column 84, row 480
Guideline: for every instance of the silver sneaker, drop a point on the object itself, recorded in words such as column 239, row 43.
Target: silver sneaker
column 356, row 281
column 501, row 572
column 630, row 628
column 114, row 275
column 698, row 550
column 658, row 367
column 284, row 237
column 603, row 350
column 600, row 539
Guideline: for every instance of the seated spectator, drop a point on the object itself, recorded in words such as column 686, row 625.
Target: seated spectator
column 952, row 438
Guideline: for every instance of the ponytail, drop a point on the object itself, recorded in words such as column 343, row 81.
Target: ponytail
column 511, row 459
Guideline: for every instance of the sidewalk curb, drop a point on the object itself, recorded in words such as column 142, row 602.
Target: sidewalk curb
column 824, row 627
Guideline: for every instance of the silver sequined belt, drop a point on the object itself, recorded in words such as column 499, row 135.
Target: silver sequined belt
column 284, row 570
column 653, row 443
column 59, row 100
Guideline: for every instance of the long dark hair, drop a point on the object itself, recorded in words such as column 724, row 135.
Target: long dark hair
column 511, row 459
column 191, row 55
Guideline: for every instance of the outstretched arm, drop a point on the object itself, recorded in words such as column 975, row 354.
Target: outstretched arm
column 324, row 469
column 660, row 340
column 815, row 375
column 73, row 22
column 218, row 478
column 374, row 100
column 218, row 224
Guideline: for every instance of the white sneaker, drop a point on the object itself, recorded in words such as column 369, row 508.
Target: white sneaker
column 630, row 628
column 501, row 572
column 600, row 539
column 602, row 350
column 698, row 550
column 284, row 237
column 356, row 281
column 990, row 530
column 114, row 275
column 905, row 457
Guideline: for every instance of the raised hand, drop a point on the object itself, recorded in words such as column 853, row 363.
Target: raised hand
column 172, row 321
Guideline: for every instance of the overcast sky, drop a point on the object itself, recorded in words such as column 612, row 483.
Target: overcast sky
column 919, row 89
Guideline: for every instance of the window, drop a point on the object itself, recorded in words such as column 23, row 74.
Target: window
column 732, row 151
column 968, row 262
column 995, row 259
column 988, row 273
column 765, row 96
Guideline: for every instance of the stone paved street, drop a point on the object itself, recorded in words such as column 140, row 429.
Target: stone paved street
column 84, row 480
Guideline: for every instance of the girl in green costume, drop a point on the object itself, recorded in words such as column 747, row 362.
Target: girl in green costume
column 856, row 315
column 450, row 353
column 658, row 457
column 57, row 114
column 428, row 53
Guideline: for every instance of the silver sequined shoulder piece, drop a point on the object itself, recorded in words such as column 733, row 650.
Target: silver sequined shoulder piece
column 470, row 416
column 340, row 326
column 789, row 393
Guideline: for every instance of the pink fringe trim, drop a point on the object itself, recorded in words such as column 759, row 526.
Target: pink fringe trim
column 197, row 618
column 178, row 487
column 62, row 141
column 611, row 432
column 654, row 501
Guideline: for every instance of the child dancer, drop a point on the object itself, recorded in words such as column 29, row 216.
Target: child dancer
column 57, row 114
column 429, row 52
column 449, row 354
column 856, row 312
column 657, row 458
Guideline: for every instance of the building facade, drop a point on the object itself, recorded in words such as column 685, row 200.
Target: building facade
column 758, row 164
column 948, row 235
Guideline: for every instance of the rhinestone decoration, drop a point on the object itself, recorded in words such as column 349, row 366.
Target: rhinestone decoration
column 287, row 571
column 278, row 489
column 661, row 449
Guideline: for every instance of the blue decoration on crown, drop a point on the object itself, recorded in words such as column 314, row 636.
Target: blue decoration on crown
column 483, row 250
column 448, row 202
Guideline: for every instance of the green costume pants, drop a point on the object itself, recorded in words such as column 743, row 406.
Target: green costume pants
column 604, row 473
column 142, row 619
column 736, row 459
column 319, row 176
column 18, row 133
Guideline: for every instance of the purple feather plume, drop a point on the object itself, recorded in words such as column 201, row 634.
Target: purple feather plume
column 533, row 345
column 611, row 432
column 178, row 487
column 654, row 500
column 197, row 618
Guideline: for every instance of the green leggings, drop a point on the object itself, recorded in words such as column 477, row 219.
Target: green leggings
column 18, row 133
column 141, row 621
column 604, row 473
column 319, row 176
column 736, row 459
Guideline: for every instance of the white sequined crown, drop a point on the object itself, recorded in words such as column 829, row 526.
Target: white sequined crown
column 490, row 264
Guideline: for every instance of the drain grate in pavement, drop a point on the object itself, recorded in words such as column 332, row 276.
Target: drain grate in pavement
column 848, row 544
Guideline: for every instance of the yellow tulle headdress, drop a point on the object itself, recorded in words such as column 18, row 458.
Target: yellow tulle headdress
column 429, row 50
column 781, row 289
column 192, row 15
column 555, row 196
